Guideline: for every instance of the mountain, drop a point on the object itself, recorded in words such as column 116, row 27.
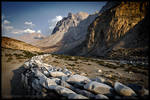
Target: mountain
column 119, row 31
column 68, row 33
column 30, row 38
column 16, row 44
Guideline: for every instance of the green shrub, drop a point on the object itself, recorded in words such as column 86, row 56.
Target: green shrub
column 8, row 55
column 9, row 59
column 28, row 54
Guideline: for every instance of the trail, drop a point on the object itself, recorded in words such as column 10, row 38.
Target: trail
column 11, row 86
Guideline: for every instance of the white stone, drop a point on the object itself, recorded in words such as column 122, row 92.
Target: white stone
column 77, row 78
column 99, row 70
column 98, row 79
column 123, row 90
column 64, row 78
column 50, row 82
column 76, row 96
column 62, row 90
column 84, row 92
column 97, row 87
column 57, row 74
column 26, row 65
column 57, row 80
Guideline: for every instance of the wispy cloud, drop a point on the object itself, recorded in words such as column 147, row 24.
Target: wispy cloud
column 6, row 22
column 53, row 22
column 57, row 18
column 38, row 31
column 29, row 24
column 29, row 31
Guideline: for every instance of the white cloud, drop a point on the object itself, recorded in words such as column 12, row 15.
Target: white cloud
column 53, row 22
column 29, row 31
column 6, row 22
column 17, row 31
column 29, row 24
column 39, row 31
column 51, row 27
column 8, row 28
column 57, row 18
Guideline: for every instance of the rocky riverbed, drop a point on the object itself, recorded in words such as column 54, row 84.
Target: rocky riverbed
column 44, row 80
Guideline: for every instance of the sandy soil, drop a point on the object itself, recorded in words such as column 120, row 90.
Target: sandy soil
column 11, row 71
column 10, row 75
column 92, row 69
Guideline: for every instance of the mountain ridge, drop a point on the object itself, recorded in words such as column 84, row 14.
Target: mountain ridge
column 112, row 26
column 17, row 44
column 67, row 31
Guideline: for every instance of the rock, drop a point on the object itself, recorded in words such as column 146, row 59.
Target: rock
column 76, row 96
column 68, row 73
column 57, row 80
column 57, row 74
column 36, row 85
column 26, row 81
column 117, row 97
column 59, row 69
column 108, row 75
column 109, row 82
column 64, row 78
column 43, row 82
column 22, row 77
column 98, row 88
column 67, row 85
column 44, row 94
column 146, row 92
column 77, row 79
column 99, row 70
column 100, row 96
column 137, row 88
column 38, row 73
column 83, row 74
column 85, row 93
column 129, row 97
column 50, row 82
column 98, row 79
column 46, row 73
column 62, row 90
column 123, row 90
column 26, row 65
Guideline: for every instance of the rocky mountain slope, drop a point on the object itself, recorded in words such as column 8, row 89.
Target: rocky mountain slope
column 16, row 44
column 68, row 33
column 30, row 37
column 122, row 28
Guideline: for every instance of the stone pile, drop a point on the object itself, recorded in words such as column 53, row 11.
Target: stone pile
column 40, row 79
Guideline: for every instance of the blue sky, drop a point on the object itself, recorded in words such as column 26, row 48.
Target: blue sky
column 40, row 17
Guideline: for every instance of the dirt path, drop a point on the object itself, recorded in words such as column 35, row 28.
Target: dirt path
column 11, row 78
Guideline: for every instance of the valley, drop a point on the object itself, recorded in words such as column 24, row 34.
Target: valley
column 103, row 55
column 111, row 70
